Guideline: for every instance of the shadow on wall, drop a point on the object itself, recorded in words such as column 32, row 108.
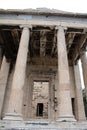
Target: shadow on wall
column 85, row 101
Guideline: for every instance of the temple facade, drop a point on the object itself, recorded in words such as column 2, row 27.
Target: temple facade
column 39, row 71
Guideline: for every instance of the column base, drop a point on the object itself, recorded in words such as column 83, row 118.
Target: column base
column 66, row 119
column 13, row 116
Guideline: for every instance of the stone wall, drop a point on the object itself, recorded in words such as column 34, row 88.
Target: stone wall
column 48, row 96
column 40, row 95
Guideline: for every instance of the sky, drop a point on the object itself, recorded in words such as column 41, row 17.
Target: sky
column 76, row 6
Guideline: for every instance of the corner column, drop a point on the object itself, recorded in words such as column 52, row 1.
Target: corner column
column 0, row 56
column 4, row 72
column 84, row 68
column 16, row 97
column 64, row 99
column 79, row 97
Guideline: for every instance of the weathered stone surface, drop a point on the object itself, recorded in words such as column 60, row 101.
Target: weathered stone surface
column 64, row 81
column 15, row 101
column 4, row 72
column 79, row 97
column 41, row 125
column 84, row 68
column 44, row 58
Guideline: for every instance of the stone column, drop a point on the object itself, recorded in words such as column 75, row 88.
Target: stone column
column 79, row 97
column 16, row 97
column 64, row 99
column 3, row 81
column 84, row 68
column 0, row 56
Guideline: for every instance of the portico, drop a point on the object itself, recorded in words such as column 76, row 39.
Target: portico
column 44, row 48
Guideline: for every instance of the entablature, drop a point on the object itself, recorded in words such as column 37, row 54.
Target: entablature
column 43, row 38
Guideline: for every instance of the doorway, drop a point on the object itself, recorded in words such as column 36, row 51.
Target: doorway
column 40, row 99
column 39, row 109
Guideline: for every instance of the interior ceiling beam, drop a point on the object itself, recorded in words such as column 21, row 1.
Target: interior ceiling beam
column 80, row 44
column 15, row 36
column 69, row 40
column 1, row 40
column 9, row 27
column 10, row 49
column 32, row 44
column 42, row 43
column 54, row 47
column 7, row 50
column 75, row 32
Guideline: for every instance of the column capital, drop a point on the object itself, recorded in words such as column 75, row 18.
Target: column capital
column 83, row 51
column 58, row 27
column 26, row 26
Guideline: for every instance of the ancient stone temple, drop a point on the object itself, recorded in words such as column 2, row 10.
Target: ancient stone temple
column 39, row 71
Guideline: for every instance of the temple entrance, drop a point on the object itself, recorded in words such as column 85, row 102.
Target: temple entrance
column 40, row 99
column 39, row 109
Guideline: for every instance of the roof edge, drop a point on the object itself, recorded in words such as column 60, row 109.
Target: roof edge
column 43, row 11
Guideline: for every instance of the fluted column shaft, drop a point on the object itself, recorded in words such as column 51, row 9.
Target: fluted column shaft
column 84, row 68
column 79, row 97
column 0, row 56
column 4, row 72
column 16, row 97
column 64, row 102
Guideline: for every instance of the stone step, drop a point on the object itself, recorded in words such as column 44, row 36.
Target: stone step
column 40, row 125
column 43, row 129
column 22, row 128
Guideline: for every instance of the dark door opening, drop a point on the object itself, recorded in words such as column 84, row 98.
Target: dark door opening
column 73, row 105
column 40, row 109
